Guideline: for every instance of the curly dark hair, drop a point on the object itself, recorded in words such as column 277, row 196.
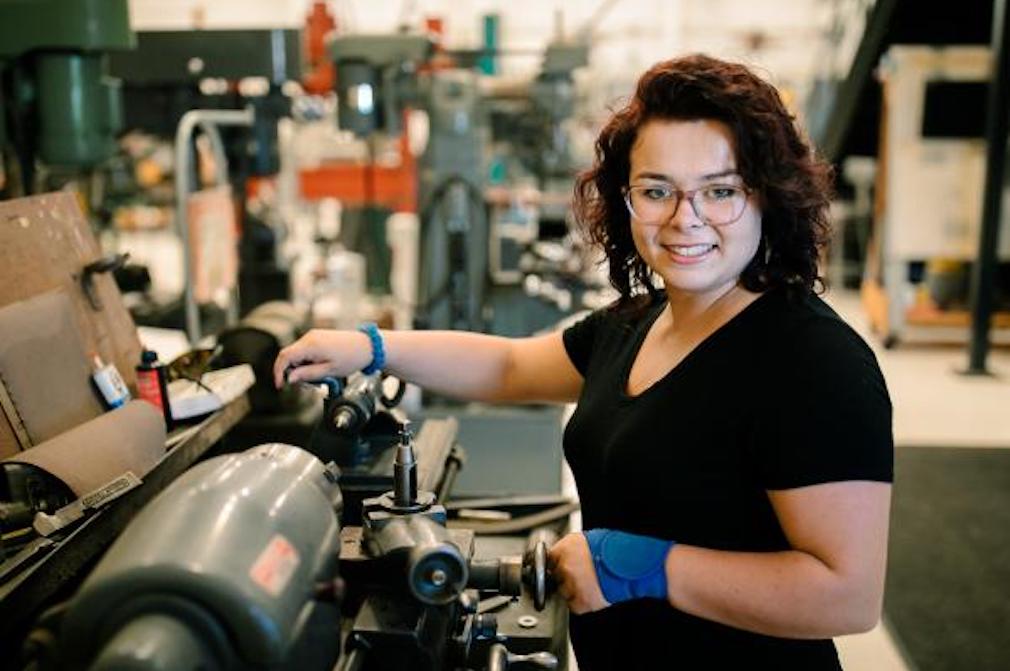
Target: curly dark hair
column 793, row 185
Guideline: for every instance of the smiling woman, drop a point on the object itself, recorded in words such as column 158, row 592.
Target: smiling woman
column 761, row 148
column 706, row 246
column 724, row 406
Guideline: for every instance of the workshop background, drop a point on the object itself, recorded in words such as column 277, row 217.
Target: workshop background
column 208, row 179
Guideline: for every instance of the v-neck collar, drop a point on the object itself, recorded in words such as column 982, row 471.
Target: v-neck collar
column 643, row 331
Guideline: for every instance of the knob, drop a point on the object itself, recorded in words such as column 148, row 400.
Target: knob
column 500, row 659
column 485, row 626
column 437, row 573
column 344, row 419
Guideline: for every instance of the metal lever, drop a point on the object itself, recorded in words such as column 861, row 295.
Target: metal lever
column 500, row 659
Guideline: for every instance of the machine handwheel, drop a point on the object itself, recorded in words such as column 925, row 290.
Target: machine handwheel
column 538, row 575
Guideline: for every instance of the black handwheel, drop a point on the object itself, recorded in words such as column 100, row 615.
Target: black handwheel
column 538, row 575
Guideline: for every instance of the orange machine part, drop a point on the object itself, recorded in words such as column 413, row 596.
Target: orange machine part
column 318, row 24
column 358, row 185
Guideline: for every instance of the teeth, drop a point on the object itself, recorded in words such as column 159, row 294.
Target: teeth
column 693, row 250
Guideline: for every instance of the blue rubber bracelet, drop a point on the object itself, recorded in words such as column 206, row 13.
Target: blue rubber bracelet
column 378, row 350
column 629, row 566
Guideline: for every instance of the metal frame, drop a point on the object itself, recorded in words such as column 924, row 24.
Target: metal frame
column 208, row 121
column 984, row 270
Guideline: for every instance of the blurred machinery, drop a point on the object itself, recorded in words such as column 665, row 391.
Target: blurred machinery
column 162, row 77
column 471, row 248
column 453, row 284
column 60, row 107
column 532, row 120
column 461, row 249
column 172, row 73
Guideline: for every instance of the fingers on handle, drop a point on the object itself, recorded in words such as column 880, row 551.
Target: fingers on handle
column 280, row 363
column 309, row 372
column 283, row 361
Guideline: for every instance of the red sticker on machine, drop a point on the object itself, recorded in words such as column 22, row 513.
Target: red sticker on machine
column 274, row 567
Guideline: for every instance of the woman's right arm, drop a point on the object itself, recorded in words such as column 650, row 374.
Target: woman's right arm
column 470, row 366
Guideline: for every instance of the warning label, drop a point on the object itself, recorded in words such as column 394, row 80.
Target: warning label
column 274, row 567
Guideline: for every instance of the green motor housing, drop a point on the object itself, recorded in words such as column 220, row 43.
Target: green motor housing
column 80, row 109
column 58, row 48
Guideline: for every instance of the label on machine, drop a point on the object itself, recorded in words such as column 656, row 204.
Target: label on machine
column 274, row 567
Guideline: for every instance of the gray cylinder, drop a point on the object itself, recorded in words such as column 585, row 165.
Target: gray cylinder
column 233, row 550
column 155, row 643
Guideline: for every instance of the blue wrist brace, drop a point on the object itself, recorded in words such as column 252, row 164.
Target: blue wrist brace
column 378, row 351
column 629, row 566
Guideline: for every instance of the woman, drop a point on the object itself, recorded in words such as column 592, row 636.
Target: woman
column 732, row 440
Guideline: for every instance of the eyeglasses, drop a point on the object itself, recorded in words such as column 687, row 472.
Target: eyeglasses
column 714, row 204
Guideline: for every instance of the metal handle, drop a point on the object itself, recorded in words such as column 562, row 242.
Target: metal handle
column 208, row 121
column 500, row 659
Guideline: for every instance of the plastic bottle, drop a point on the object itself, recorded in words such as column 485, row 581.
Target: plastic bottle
column 152, row 384
column 109, row 383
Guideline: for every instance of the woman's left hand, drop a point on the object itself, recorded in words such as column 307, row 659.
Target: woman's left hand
column 573, row 571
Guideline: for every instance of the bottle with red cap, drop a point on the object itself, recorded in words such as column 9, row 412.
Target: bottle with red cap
column 152, row 384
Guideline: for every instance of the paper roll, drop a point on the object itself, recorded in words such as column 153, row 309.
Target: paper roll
column 130, row 438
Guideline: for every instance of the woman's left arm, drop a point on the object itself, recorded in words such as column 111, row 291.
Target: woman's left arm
column 830, row 583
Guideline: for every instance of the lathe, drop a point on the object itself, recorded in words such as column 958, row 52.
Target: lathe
column 243, row 563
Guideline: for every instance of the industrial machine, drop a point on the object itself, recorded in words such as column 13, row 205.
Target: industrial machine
column 432, row 619
column 161, row 81
column 462, row 252
column 232, row 566
column 235, row 566
column 59, row 105
column 178, row 82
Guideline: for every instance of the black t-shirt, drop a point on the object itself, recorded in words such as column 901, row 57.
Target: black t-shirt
column 784, row 395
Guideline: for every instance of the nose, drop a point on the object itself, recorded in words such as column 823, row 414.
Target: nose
column 684, row 215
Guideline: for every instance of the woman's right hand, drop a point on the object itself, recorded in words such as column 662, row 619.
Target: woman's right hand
column 322, row 353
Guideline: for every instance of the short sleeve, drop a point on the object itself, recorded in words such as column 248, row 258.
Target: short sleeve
column 827, row 414
column 580, row 338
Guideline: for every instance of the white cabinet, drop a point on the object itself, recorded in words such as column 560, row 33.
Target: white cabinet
column 929, row 188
